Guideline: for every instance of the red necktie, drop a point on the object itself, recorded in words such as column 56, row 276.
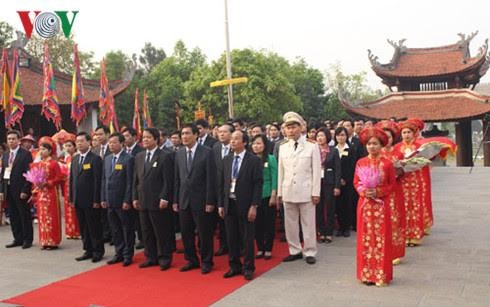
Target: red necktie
column 11, row 158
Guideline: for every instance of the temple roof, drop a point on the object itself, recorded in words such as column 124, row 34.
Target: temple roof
column 32, row 80
column 432, row 62
column 434, row 106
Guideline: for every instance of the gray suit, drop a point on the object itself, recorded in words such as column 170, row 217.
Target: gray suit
column 117, row 180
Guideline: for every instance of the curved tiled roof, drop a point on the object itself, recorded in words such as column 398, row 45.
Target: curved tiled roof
column 431, row 62
column 435, row 106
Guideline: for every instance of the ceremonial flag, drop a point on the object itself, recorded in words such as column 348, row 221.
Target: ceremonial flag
column 136, row 115
column 50, row 106
column 16, row 101
column 78, row 111
column 146, row 112
column 5, row 98
column 107, row 113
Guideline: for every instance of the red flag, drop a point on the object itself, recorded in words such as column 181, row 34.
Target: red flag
column 136, row 114
column 16, row 107
column 106, row 101
column 146, row 112
column 78, row 111
column 50, row 106
column 5, row 97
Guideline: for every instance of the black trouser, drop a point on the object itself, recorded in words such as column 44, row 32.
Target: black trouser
column 265, row 226
column 239, row 229
column 355, row 200
column 156, row 226
column 106, row 227
column 190, row 221
column 137, row 225
column 344, row 206
column 91, row 230
column 122, row 226
column 325, row 211
column 220, row 224
column 20, row 218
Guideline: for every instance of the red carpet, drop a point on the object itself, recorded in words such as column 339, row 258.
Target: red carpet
column 132, row 286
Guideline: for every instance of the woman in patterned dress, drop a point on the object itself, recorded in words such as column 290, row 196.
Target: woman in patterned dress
column 374, row 243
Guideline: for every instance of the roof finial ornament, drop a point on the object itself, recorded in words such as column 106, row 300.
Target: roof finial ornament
column 373, row 59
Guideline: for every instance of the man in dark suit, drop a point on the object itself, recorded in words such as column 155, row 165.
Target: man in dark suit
column 195, row 198
column 16, row 190
column 102, row 133
column 220, row 150
column 117, row 183
column 132, row 147
column 204, row 138
column 153, row 196
column 240, row 189
column 85, row 183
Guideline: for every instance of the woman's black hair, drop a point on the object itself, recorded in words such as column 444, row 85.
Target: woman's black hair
column 264, row 156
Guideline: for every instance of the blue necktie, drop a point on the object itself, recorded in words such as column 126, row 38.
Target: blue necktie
column 113, row 163
column 234, row 172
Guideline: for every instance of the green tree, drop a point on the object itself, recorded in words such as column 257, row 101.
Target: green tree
column 267, row 95
column 151, row 56
column 310, row 88
column 6, row 34
column 61, row 54
column 348, row 88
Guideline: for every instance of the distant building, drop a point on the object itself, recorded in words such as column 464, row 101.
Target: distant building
column 436, row 85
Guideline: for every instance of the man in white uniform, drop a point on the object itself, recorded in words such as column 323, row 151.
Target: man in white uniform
column 299, row 187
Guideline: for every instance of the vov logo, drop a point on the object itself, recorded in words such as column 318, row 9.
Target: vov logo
column 47, row 24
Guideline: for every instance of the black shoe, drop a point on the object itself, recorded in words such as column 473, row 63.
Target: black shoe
column 115, row 260
column 189, row 266
column 259, row 255
column 140, row 245
column 267, row 256
column 164, row 266
column 293, row 257
column 96, row 259
column 84, row 257
column 346, row 233
column 13, row 244
column 26, row 245
column 248, row 275
column 147, row 264
column 127, row 262
column 221, row 251
column 205, row 269
column 231, row 273
column 179, row 251
column 310, row 260
column 339, row 233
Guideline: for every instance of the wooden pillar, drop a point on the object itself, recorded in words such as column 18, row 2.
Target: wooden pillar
column 464, row 155
column 486, row 142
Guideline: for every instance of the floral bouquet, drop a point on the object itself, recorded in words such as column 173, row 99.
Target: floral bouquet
column 369, row 179
column 412, row 164
column 36, row 175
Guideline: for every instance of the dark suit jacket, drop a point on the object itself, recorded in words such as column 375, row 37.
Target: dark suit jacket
column 154, row 183
column 217, row 147
column 18, row 184
column 136, row 150
column 359, row 149
column 198, row 187
column 332, row 171
column 97, row 151
column 248, row 187
column 348, row 164
column 117, row 184
column 85, row 180
column 210, row 141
